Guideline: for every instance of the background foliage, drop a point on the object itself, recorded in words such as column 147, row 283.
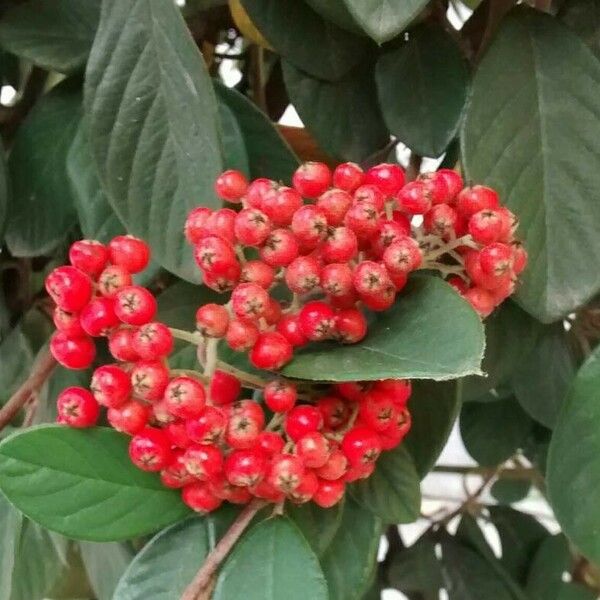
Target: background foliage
column 116, row 116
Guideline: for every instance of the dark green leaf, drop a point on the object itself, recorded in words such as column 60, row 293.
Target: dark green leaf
column 552, row 559
column 41, row 210
column 509, row 491
column 583, row 17
column 422, row 89
column 492, row 432
column 16, row 359
column 574, row 461
column 533, row 103
column 336, row 12
column 113, row 499
column 384, row 19
column 104, row 565
column 434, row 407
column 304, row 38
column 152, row 118
column 541, row 381
column 392, row 492
column 331, row 111
column 574, row 591
column 352, row 555
column 3, row 192
column 168, row 563
column 414, row 339
column 318, row 525
column 97, row 219
column 232, row 141
column 271, row 561
column 54, row 34
column 269, row 155
column 520, row 536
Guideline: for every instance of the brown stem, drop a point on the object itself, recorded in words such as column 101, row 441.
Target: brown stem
column 32, row 384
column 414, row 167
column 205, row 575
column 509, row 473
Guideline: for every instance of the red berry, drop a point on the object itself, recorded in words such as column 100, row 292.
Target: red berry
column 509, row 224
column 383, row 299
column 307, row 488
column 222, row 224
column 212, row 320
column 453, row 180
column 149, row 380
column 435, row 188
column 257, row 191
column 194, row 228
column 224, row 388
column 363, row 219
column 67, row 322
column 303, row 274
column 111, row 386
column 231, row 185
column 245, row 467
column 361, row 446
column 313, row 449
column 403, row 256
column 175, row 475
column 185, row 397
column 120, row 345
column 177, row 433
column 481, row 300
column 271, row 351
column 334, row 410
column 88, row 256
column 153, row 341
column 70, row 289
column 477, row 275
column 311, row 179
column 370, row 278
column 135, row 305
column 309, row 225
column 359, row 471
column 270, row 442
column 223, row 282
column 280, row 248
column 476, row 198
column 273, row 312
column 243, row 429
column 335, row 467
column 252, row 227
column 215, row 255
column 336, row 279
column 348, row 176
column 389, row 178
column 370, row 194
column 350, row 326
column 485, row 226
column 496, row 259
column 301, row 420
column 460, row 285
column 281, row 204
column 520, row 257
column 340, row 245
column 259, row 272
column 203, row 461
column 317, row 320
column 129, row 252
column 77, row 407
column 200, row 498
column 150, row 450
column 208, row 428
column 329, row 493
column 399, row 390
column 72, row 352
column 414, row 199
column 112, row 279
column 377, row 410
column 286, row 472
column 249, row 301
column 161, row 414
column 241, row 335
column 280, row 396
column 389, row 231
column 98, row 317
column 351, row 390
column 129, row 418
column 440, row 220
column 289, row 327
column 334, row 204
column 397, row 430
column 221, row 488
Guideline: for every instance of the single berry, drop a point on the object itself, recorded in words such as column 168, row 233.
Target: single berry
column 286, row 472
column 77, row 407
column 67, row 322
column 520, row 257
column 88, row 256
column 249, row 301
column 257, row 190
column 153, row 341
column 72, row 352
column 252, row 227
column 185, row 397
column 241, row 335
column 350, row 326
column 200, row 498
column 313, row 449
column 129, row 418
column 224, row 388
column 245, row 467
column 370, row 278
column 177, row 433
column 348, row 176
column 334, row 204
column 289, row 327
column 453, row 180
column 281, row 204
column 363, row 219
column 389, row 178
column 120, row 345
column 98, row 317
column 111, row 386
column 212, row 320
column 334, row 410
column 496, row 259
column 340, row 245
column 270, row 442
column 403, row 256
column 243, row 428
column 214, row 255
column 336, row 279
column 370, row 194
column 481, row 300
column 222, row 224
column 440, row 220
column 311, row 179
column 149, row 379
column 223, row 282
column 258, row 272
column 129, row 252
column 70, row 288
column 389, row 231
column 329, row 493
column 134, row 305
column 301, row 420
column 399, row 390
column 271, row 351
column 280, row 395
column 303, row 274
column 309, row 225
column 478, row 197
column 175, row 475
column 112, row 279
column 203, row 461
column 485, row 226
column 335, row 467
column 150, row 450
column 317, row 320
column 361, row 445
column 208, row 428
column 377, row 410
column 280, row 248
column 231, row 185
column 195, row 224
column 414, row 199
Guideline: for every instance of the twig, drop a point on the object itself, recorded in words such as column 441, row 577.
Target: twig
column 41, row 371
column 204, row 576
column 527, row 473
column 414, row 167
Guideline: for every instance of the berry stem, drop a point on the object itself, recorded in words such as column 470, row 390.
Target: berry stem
column 190, row 373
column 187, row 336
column 211, row 357
column 247, row 379
column 465, row 240
column 203, row 577
column 239, row 251
column 40, row 373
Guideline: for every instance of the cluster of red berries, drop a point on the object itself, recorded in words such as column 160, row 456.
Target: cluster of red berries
column 353, row 245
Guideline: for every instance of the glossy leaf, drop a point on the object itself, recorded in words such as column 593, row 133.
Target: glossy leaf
column 305, row 39
column 351, row 556
column 583, row 17
column 392, row 492
column 532, row 109
column 3, row 192
column 336, row 12
column 54, row 34
column 152, row 118
column 269, row 155
column 113, row 499
column 41, row 210
column 414, row 339
column 105, row 564
column 271, row 561
column 422, row 88
column 232, row 141
column 384, row 19
column 509, row 491
column 492, row 432
column 573, row 474
column 16, row 359
column 552, row 559
column 330, row 109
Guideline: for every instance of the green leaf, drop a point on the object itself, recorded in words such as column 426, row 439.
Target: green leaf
column 3, row 192
column 544, row 376
column 574, row 591
column 97, row 219
column 468, row 576
column 113, row 499
column 434, row 407
column 492, row 432
column 509, row 491
column 352, row 555
column 318, row 525
column 269, row 155
column 415, row 339
column 336, row 12
column 330, row 109
column 392, row 492
column 583, row 17
column 520, row 536
column 232, row 140
column 534, row 101
column 552, row 559
column 168, row 563
column 152, row 118
column 305, row 39
column 16, row 359
column 41, row 210
column 384, row 19
column 54, row 34
column 104, row 565
column 270, row 562
column 573, row 474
